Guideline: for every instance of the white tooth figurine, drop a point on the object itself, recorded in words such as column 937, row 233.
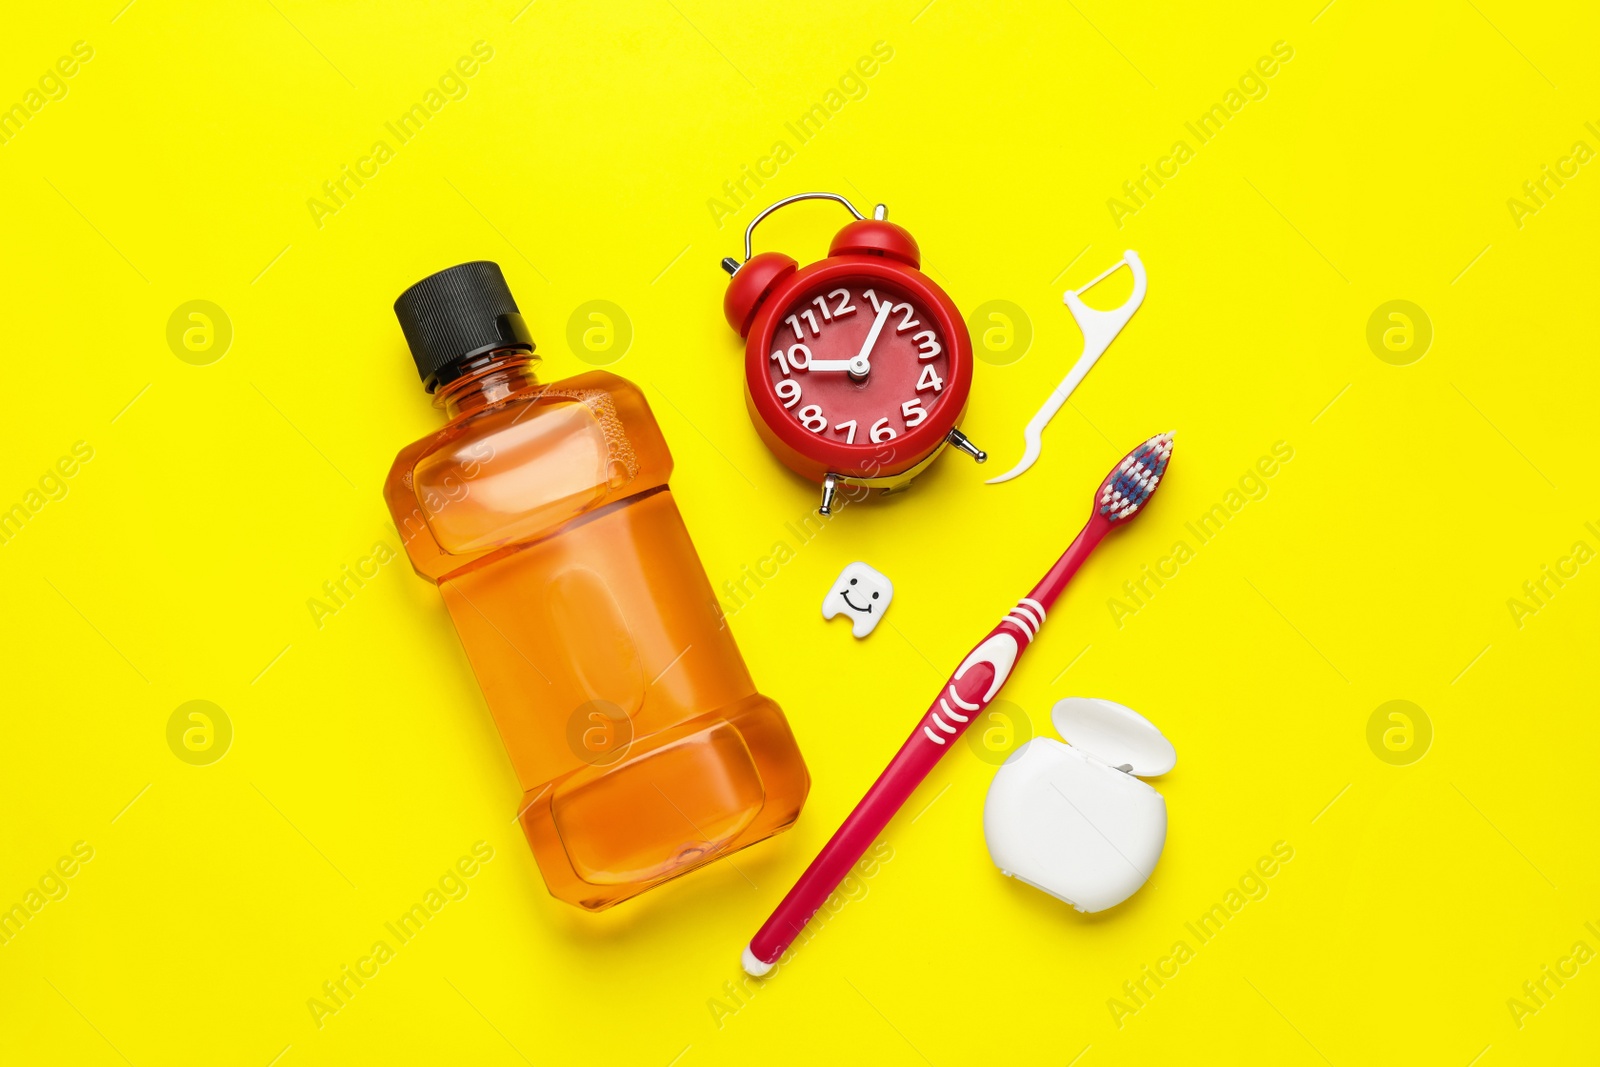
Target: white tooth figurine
column 860, row 593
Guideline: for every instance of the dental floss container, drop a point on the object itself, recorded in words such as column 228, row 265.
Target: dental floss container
column 1074, row 820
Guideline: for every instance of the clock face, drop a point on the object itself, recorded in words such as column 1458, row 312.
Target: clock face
column 858, row 361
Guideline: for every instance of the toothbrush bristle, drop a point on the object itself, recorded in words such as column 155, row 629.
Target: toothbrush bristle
column 1131, row 482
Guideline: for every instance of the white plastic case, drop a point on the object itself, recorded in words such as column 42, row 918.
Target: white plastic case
column 1074, row 820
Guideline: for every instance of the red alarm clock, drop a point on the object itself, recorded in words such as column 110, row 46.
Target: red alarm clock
column 856, row 367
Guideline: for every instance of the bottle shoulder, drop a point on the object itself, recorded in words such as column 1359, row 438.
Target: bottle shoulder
column 517, row 470
column 608, row 395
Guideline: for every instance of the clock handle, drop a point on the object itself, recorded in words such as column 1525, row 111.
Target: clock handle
column 749, row 231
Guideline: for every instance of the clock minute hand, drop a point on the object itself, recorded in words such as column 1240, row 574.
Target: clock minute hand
column 859, row 366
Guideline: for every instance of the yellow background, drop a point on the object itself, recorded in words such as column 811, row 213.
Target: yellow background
column 1377, row 567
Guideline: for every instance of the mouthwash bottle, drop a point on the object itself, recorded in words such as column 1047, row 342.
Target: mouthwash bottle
column 542, row 512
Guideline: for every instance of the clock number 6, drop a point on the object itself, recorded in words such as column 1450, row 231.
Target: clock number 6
column 882, row 431
column 799, row 358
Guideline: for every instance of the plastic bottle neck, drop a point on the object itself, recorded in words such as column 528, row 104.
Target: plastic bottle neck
column 487, row 380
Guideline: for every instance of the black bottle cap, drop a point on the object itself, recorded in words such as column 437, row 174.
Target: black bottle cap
column 459, row 313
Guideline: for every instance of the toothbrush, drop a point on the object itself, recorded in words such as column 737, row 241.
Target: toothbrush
column 974, row 684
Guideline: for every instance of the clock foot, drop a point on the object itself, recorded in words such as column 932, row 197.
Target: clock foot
column 830, row 486
column 961, row 442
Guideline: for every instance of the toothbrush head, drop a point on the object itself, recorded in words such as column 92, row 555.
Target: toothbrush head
column 1131, row 482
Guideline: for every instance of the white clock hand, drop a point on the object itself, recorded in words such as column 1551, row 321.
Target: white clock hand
column 861, row 363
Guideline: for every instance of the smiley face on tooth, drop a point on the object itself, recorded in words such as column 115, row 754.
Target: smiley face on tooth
column 863, row 594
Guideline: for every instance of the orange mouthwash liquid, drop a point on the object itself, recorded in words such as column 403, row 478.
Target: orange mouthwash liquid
column 543, row 514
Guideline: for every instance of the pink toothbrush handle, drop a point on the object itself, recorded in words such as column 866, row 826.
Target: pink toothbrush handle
column 964, row 697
